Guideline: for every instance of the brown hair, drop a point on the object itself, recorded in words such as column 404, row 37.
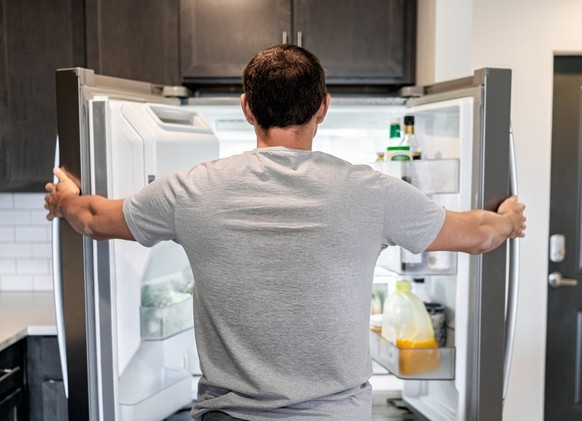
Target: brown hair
column 284, row 86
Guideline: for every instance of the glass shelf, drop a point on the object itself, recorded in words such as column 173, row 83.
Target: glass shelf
column 413, row 363
column 158, row 323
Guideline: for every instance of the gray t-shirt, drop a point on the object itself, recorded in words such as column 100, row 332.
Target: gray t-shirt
column 283, row 244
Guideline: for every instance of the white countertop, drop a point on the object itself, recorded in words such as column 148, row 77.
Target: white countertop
column 25, row 313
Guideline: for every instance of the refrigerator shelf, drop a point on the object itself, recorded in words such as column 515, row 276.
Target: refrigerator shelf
column 158, row 323
column 413, row 363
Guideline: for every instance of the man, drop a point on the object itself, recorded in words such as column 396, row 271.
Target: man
column 283, row 243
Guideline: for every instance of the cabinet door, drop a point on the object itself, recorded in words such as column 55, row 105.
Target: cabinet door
column 219, row 37
column 46, row 391
column 12, row 407
column 133, row 39
column 361, row 42
column 36, row 38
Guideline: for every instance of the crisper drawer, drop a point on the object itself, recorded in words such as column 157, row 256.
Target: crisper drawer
column 11, row 369
column 413, row 363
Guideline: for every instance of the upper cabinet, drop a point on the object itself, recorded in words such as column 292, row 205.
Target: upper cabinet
column 134, row 39
column 219, row 37
column 36, row 37
column 359, row 42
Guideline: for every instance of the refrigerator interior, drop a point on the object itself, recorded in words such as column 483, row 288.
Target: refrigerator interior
column 158, row 138
column 356, row 133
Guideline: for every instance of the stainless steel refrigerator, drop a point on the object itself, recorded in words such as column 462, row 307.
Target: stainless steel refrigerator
column 130, row 354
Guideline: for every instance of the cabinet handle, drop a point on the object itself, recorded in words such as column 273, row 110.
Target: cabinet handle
column 284, row 37
column 299, row 39
column 7, row 373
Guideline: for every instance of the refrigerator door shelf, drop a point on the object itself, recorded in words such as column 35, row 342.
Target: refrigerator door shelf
column 163, row 403
column 160, row 369
column 400, row 261
column 413, row 363
column 432, row 176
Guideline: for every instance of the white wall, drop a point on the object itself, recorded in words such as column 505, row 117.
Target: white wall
column 516, row 34
column 522, row 35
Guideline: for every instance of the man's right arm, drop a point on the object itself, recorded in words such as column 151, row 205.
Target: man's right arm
column 480, row 231
column 94, row 216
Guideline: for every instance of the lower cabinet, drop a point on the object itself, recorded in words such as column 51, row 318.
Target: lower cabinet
column 12, row 395
column 46, row 391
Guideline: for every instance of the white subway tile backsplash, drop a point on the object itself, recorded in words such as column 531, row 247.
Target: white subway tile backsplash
column 25, row 243
column 33, row 267
column 15, row 251
column 42, row 283
column 38, row 217
column 32, row 234
column 16, row 283
column 6, row 200
column 29, row 201
column 42, row 250
column 13, row 217
column 6, row 234
column 7, row 267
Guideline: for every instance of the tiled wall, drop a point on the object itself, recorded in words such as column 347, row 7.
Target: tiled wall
column 25, row 243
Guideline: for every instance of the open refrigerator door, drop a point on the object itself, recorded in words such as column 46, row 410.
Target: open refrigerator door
column 127, row 309
column 465, row 165
column 150, row 289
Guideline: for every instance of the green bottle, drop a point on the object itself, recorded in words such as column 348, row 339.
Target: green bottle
column 397, row 150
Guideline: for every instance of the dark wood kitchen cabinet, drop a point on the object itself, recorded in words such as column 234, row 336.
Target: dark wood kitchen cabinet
column 36, row 38
column 134, row 39
column 359, row 42
column 122, row 38
column 12, row 385
column 46, row 391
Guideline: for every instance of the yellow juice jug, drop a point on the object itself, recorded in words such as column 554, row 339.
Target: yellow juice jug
column 407, row 324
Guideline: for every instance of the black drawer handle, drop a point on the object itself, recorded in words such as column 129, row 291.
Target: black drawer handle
column 6, row 373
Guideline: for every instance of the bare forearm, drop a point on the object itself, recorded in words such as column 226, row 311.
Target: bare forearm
column 480, row 231
column 491, row 230
column 96, row 217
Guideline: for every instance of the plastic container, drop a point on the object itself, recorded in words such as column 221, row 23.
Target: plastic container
column 407, row 324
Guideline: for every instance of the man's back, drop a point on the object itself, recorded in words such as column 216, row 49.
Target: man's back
column 283, row 245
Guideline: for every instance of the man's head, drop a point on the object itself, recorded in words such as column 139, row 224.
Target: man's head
column 284, row 86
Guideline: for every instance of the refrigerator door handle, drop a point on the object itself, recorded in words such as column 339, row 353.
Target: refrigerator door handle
column 512, row 276
column 58, row 288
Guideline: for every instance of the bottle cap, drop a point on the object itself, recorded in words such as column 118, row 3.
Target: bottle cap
column 402, row 285
column 409, row 120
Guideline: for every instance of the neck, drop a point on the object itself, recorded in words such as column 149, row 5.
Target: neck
column 294, row 137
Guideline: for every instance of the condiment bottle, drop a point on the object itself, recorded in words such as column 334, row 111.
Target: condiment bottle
column 397, row 150
column 410, row 138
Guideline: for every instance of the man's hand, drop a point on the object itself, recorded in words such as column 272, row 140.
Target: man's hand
column 513, row 210
column 58, row 192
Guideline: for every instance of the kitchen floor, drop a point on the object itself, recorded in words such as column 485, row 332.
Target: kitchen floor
column 393, row 411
